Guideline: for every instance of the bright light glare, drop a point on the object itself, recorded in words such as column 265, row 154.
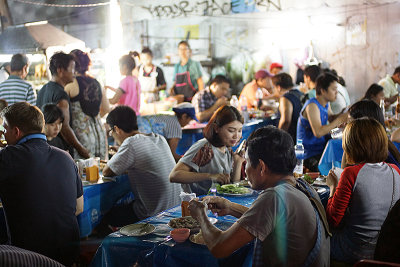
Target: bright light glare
column 114, row 51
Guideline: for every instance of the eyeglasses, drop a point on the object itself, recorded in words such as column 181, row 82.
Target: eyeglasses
column 110, row 131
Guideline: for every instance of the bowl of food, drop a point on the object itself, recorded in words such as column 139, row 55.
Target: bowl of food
column 180, row 234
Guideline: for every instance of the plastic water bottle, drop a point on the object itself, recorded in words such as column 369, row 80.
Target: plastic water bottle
column 382, row 106
column 234, row 101
column 243, row 107
column 299, row 150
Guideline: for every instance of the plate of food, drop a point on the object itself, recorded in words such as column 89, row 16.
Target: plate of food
column 187, row 222
column 197, row 239
column 233, row 190
column 137, row 229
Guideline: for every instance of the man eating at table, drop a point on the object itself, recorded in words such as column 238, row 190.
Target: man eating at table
column 40, row 188
column 288, row 229
column 148, row 160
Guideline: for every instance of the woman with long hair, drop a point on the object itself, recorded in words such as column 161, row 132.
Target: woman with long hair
column 211, row 159
column 88, row 104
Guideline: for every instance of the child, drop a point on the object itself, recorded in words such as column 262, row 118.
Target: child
column 54, row 118
column 128, row 92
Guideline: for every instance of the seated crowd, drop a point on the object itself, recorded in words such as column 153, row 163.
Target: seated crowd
column 41, row 190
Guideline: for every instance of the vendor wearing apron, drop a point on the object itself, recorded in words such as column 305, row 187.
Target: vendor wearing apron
column 187, row 75
column 151, row 78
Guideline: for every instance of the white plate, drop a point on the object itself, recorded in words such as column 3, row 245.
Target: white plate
column 137, row 229
column 249, row 193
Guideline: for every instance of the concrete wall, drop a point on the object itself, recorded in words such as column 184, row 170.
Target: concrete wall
column 360, row 41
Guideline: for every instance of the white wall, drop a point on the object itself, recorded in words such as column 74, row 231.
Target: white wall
column 284, row 35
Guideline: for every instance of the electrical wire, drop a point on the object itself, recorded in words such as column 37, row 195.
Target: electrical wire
column 61, row 5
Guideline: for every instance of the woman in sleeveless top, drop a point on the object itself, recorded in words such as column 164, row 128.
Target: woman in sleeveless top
column 88, row 103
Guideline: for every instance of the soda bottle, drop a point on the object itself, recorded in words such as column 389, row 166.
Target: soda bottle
column 243, row 108
column 299, row 150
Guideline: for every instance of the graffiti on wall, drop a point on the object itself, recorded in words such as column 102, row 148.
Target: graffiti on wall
column 186, row 8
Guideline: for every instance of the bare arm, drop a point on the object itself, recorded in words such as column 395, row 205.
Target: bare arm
column 313, row 116
column 173, row 144
column 182, row 173
column 396, row 135
column 200, row 83
column 391, row 99
column 79, row 205
column 237, row 168
column 117, row 96
column 171, row 90
column 286, row 110
column 108, row 172
column 206, row 114
column 105, row 104
column 67, row 132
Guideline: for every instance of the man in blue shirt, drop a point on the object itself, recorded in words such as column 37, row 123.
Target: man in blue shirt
column 40, row 188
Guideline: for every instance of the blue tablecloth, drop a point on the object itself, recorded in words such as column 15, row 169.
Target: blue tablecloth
column 332, row 155
column 119, row 250
column 99, row 198
column 189, row 137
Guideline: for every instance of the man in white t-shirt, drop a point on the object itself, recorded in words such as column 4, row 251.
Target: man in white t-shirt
column 148, row 160
column 389, row 84
column 287, row 229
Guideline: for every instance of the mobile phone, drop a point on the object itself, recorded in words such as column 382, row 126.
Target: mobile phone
column 242, row 147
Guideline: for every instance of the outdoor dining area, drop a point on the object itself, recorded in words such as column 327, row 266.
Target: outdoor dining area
column 215, row 133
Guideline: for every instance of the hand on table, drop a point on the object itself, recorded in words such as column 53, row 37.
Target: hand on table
column 221, row 178
column 218, row 205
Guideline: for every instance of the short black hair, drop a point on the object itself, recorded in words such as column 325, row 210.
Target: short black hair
column 313, row 72
column 373, row 90
column 51, row 113
column 18, row 62
column 323, row 81
column 396, row 70
column 124, row 117
column 128, row 61
column 184, row 43
column 59, row 60
column 283, row 80
column 147, row 50
column 367, row 108
column 274, row 147
column 219, row 79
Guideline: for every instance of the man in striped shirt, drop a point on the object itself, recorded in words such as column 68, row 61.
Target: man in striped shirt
column 15, row 89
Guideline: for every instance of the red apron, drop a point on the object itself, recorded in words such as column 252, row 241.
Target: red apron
column 184, row 86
